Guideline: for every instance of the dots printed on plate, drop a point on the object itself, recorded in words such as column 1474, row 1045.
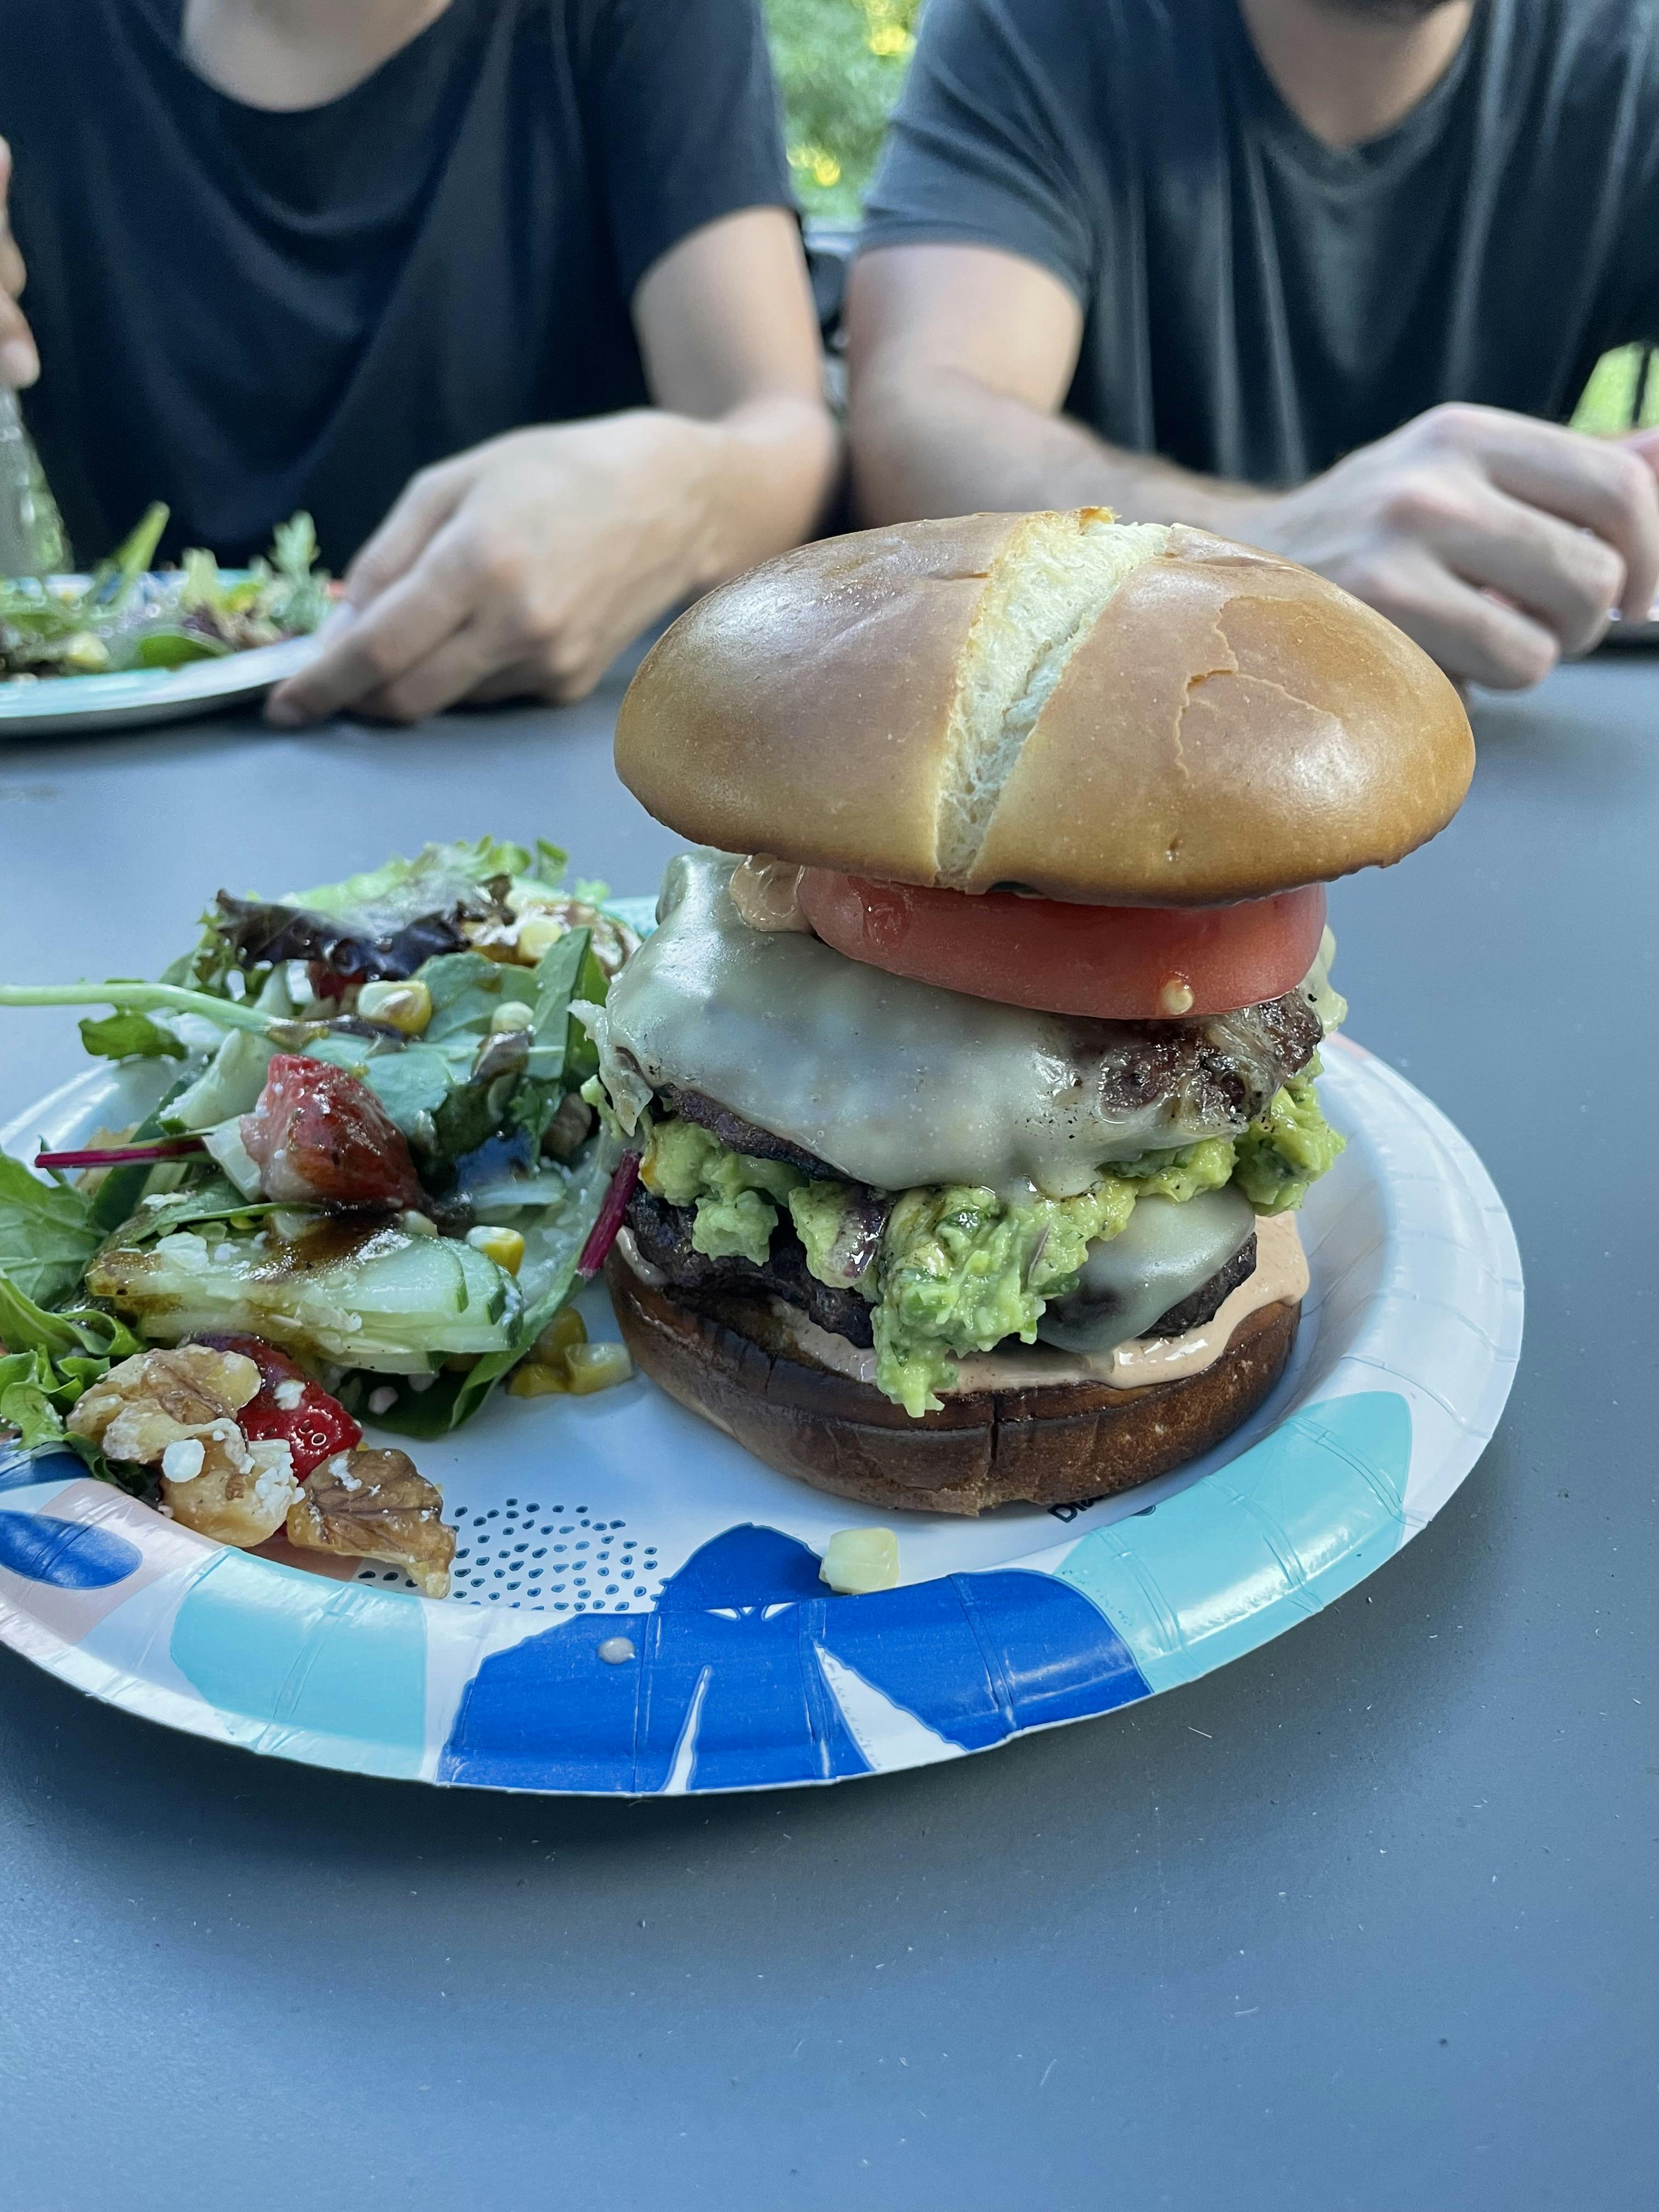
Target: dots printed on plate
column 595, row 1565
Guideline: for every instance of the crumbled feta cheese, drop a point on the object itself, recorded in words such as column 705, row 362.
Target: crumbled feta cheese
column 288, row 1392
column 383, row 1400
column 182, row 1460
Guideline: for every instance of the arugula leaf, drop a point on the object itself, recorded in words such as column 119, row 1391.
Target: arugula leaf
column 216, row 1199
column 561, row 969
column 78, row 1333
column 27, row 1388
column 177, row 648
column 547, row 1277
column 113, row 579
column 46, row 1235
column 128, row 1037
column 415, row 1081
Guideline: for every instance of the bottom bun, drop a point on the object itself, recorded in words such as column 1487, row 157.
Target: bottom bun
column 733, row 1361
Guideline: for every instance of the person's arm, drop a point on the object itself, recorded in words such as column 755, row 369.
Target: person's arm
column 19, row 364
column 523, row 567
column 1499, row 542
column 959, row 357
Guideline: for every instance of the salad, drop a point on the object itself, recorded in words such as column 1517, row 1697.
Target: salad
column 367, row 1191
column 122, row 617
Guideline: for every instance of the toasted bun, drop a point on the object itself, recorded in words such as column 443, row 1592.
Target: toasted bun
column 728, row 1359
column 1117, row 712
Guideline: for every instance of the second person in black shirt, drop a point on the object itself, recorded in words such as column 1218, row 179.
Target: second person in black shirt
column 1305, row 272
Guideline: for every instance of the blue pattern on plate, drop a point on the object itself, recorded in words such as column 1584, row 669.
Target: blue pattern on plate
column 1238, row 1558
column 296, row 1654
column 70, row 1555
column 22, row 1470
column 727, row 1689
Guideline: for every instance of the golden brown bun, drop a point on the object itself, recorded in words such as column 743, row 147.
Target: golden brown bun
column 728, row 1359
column 1215, row 723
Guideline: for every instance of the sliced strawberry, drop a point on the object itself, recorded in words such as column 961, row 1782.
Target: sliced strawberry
column 313, row 1425
column 320, row 1137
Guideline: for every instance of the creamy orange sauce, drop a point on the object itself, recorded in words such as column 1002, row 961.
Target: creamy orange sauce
column 1280, row 1275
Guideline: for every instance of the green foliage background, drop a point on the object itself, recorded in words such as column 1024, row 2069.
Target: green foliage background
column 841, row 63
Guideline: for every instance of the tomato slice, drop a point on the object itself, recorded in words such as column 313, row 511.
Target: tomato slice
column 1115, row 962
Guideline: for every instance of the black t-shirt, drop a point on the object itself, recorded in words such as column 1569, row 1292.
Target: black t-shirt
column 1255, row 303
column 244, row 313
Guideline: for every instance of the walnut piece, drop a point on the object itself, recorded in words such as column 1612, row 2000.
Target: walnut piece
column 371, row 1504
column 177, row 1411
column 151, row 1399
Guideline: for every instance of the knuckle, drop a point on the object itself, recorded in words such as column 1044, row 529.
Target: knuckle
column 1417, row 501
column 497, row 566
column 568, row 657
column 1453, row 423
column 380, row 659
column 1602, row 569
column 1631, row 480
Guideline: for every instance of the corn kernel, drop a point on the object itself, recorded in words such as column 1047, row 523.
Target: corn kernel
column 532, row 1381
column 504, row 1246
column 537, row 934
column 597, row 1367
column 860, row 1559
column 512, row 1016
column 405, row 1007
column 565, row 1330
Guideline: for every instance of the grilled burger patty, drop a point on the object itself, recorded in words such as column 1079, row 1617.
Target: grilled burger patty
column 662, row 1237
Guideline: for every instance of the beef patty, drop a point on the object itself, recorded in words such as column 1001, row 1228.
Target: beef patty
column 662, row 1237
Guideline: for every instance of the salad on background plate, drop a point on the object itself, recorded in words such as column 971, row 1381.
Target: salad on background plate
column 126, row 617
column 367, row 1192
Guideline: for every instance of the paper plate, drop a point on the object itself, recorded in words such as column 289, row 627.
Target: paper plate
column 66, row 706
column 637, row 1606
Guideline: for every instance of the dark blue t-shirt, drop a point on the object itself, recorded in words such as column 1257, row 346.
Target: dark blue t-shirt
column 243, row 313
column 1255, row 303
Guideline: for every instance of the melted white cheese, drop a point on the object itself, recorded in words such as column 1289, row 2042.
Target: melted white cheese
column 1166, row 1252
column 893, row 1082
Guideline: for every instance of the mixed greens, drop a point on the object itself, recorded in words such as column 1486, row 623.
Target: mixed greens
column 370, row 1172
column 123, row 617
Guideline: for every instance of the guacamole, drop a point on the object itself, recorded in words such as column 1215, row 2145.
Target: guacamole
column 961, row 1268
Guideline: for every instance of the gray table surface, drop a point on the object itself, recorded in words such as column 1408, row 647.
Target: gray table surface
column 1365, row 1920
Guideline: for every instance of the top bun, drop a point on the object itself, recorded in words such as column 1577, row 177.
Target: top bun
column 1118, row 712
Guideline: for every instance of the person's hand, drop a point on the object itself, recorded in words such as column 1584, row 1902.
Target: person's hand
column 1498, row 542
column 19, row 364
column 519, row 568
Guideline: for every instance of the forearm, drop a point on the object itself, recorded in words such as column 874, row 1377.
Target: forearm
column 758, row 481
column 947, row 444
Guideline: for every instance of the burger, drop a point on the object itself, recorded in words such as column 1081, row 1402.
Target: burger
column 970, row 1071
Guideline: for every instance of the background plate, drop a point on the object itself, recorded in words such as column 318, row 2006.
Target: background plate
column 64, row 705
column 622, row 1526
